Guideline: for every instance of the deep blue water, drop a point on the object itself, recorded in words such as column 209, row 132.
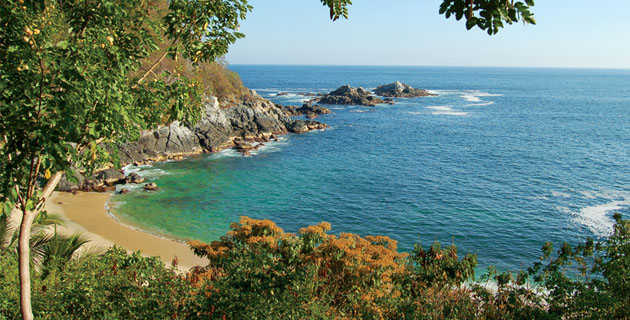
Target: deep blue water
column 502, row 160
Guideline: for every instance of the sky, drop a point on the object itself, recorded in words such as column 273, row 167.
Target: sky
column 568, row 33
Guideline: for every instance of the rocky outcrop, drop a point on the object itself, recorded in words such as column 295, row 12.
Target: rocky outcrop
column 301, row 126
column 218, row 129
column 258, row 120
column 400, row 90
column 308, row 109
column 348, row 95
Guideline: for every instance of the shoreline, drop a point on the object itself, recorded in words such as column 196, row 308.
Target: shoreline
column 86, row 213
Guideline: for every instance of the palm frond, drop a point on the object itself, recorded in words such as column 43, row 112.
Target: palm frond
column 39, row 250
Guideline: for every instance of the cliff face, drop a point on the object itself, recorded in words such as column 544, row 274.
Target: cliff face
column 219, row 128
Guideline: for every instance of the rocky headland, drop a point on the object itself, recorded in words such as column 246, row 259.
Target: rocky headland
column 400, row 90
column 243, row 127
column 347, row 95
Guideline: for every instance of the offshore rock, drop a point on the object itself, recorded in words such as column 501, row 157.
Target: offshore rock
column 302, row 126
column 151, row 186
column 400, row 90
column 134, row 178
column 308, row 109
column 347, row 95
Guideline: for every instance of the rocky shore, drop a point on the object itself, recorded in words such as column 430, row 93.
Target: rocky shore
column 247, row 124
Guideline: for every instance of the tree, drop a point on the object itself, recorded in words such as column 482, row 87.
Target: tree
column 67, row 84
column 66, row 88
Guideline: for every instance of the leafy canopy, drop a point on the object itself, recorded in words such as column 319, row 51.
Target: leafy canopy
column 66, row 83
column 488, row 15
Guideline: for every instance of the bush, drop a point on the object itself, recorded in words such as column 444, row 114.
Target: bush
column 257, row 271
column 115, row 285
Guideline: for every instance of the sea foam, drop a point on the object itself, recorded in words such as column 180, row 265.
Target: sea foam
column 598, row 217
column 446, row 110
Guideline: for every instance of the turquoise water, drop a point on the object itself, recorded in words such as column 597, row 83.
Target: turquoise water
column 499, row 162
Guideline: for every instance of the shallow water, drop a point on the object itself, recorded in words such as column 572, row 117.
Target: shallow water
column 499, row 162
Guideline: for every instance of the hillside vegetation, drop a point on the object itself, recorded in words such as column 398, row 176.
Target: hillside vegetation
column 214, row 77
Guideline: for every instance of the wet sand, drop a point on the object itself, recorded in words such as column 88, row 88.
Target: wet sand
column 85, row 212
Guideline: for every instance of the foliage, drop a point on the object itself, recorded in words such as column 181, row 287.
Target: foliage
column 213, row 77
column 67, row 87
column 257, row 271
column 488, row 15
column 114, row 285
column 589, row 280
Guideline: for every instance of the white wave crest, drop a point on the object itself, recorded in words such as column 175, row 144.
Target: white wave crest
column 271, row 146
column 130, row 168
column 475, row 98
column 481, row 104
column 471, row 98
column 226, row 153
column 560, row 194
column 598, row 217
column 446, row 110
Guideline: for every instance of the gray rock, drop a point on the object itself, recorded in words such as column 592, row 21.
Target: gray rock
column 66, row 185
column 347, row 95
column 109, row 177
column 400, row 90
column 308, row 109
column 134, row 178
column 302, row 126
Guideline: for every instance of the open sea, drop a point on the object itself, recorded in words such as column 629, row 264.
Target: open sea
column 501, row 161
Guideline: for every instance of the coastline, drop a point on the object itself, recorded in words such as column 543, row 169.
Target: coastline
column 86, row 213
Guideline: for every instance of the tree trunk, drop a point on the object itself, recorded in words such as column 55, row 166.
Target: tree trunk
column 24, row 249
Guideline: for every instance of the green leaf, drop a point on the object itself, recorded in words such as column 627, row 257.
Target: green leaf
column 62, row 44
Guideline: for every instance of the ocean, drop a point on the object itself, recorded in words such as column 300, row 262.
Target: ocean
column 499, row 162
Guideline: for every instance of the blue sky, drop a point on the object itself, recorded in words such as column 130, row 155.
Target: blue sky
column 577, row 33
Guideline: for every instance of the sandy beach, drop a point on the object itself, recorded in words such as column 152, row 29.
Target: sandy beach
column 85, row 212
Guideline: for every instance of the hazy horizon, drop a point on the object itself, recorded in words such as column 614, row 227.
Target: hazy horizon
column 420, row 66
column 568, row 34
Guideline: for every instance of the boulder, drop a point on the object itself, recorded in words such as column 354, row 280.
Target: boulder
column 123, row 191
column 134, row 178
column 313, row 111
column 347, row 95
column 110, row 177
column 302, row 126
column 400, row 90
column 66, row 185
column 151, row 186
